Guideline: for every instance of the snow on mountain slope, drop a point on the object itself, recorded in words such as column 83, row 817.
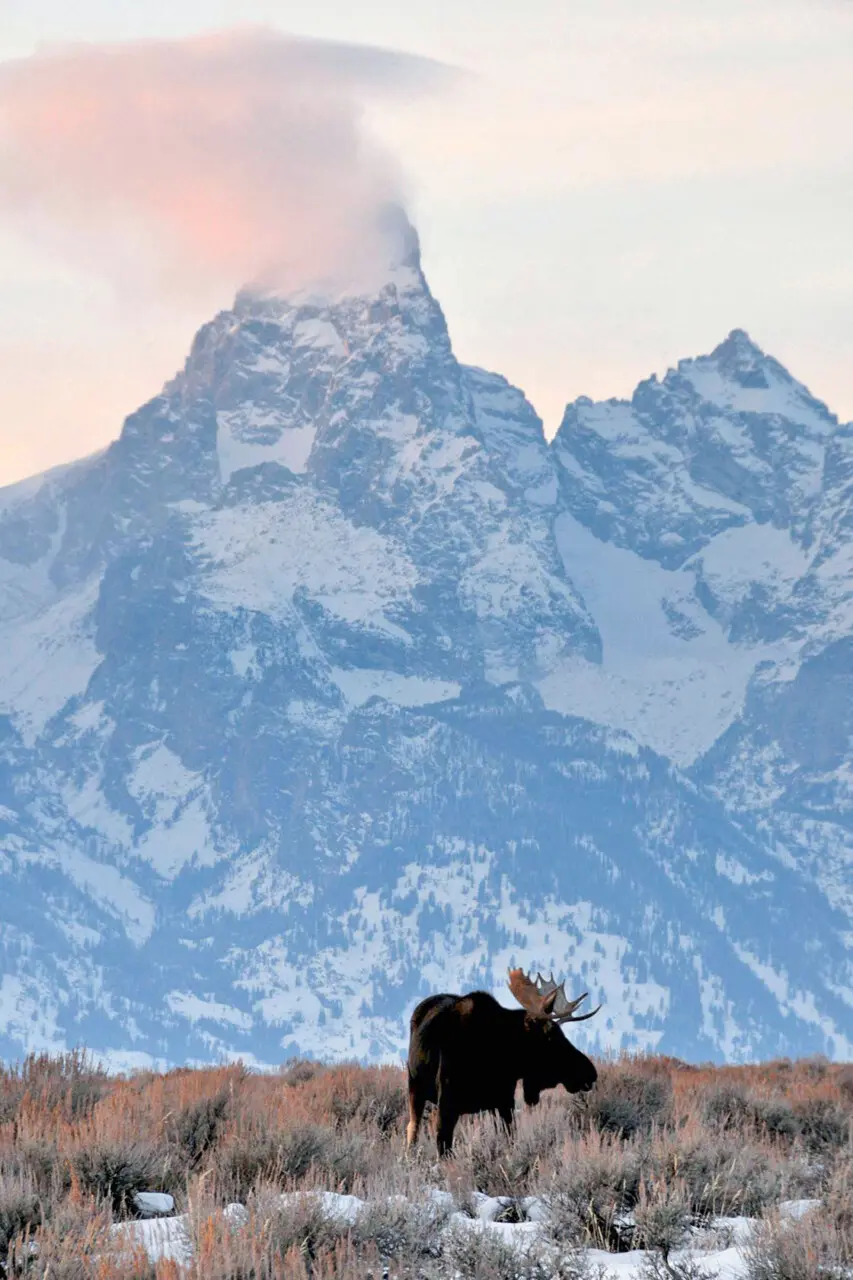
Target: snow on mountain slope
column 352, row 571
column 668, row 674
column 723, row 441
column 726, row 635
column 330, row 684
column 692, row 509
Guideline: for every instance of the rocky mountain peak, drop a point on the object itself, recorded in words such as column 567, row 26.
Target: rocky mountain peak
column 723, row 440
column 738, row 354
column 331, row 663
column 738, row 377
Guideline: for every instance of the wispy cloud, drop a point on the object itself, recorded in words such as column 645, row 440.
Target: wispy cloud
column 202, row 163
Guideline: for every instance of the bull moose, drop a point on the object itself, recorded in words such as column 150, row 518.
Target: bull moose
column 467, row 1053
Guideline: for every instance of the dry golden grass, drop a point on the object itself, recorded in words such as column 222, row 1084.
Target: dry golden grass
column 675, row 1143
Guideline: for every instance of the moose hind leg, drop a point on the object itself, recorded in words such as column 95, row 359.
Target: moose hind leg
column 418, row 1098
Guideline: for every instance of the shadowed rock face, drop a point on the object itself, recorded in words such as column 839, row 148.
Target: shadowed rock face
column 723, row 441
column 330, row 684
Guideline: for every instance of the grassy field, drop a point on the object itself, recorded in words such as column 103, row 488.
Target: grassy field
column 660, row 1155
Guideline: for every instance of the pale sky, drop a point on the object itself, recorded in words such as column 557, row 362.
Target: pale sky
column 611, row 186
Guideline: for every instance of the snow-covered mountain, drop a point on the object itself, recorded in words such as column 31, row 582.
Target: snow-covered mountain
column 331, row 683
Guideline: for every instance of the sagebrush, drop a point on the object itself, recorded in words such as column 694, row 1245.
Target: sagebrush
column 658, row 1148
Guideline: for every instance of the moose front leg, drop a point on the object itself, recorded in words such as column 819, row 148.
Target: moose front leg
column 448, row 1117
column 448, row 1113
column 417, row 1103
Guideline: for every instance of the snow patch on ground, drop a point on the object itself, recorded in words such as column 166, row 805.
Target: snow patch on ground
column 169, row 1238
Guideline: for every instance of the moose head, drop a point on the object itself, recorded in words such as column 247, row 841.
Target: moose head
column 549, row 1057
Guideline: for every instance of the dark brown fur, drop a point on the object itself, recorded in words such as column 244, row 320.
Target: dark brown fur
column 467, row 1054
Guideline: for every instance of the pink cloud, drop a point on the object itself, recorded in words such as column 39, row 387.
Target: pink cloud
column 213, row 161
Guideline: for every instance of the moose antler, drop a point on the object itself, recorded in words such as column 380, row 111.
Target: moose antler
column 544, row 998
column 564, row 1008
column 527, row 993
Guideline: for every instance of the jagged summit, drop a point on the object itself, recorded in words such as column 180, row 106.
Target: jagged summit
column 739, row 375
column 723, row 440
column 738, row 361
column 742, row 361
column 330, row 663
column 738, row 345
column 391, row 260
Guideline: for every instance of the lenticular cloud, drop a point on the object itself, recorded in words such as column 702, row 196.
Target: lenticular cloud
column 228, row 159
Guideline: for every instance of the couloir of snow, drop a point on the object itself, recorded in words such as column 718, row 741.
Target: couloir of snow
column 669, row 673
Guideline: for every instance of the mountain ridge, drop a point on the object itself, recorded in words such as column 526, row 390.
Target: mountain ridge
column 332, row 682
